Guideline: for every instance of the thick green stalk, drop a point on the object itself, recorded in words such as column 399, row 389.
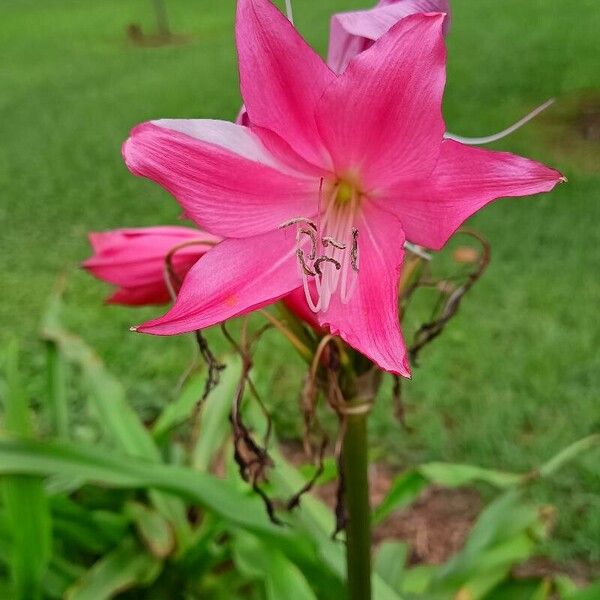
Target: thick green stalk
column 356, row 497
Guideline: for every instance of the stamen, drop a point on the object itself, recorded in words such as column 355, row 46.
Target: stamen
column 334, row 240
column 354, row 251
column 329, row 241
column 314, row 306
column 297, row 220
column 319, row 207
column 418, row 250
column 305, row 268
column 323, row 259
column 313, row 237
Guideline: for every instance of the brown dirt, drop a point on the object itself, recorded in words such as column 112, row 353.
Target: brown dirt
column 540, row 568
column 435, row 526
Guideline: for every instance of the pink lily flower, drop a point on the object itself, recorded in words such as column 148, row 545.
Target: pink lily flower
column 353, row 32
column 133, row 260
column 322, row 190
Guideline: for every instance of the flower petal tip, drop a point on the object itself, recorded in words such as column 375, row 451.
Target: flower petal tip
column 135, row 328
column 563, row 179
column 406, row 371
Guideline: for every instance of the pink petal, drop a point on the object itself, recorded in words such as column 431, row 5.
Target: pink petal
column 143, row 295
column 353, row 32
column 242, row 118
column 370, row 321
column 134, row 260
column 296, row 302
column 286, row 155
column 343, row 45
column 281, row 77
column 465, row 180
column 221, row 174
column 381, row 119
column 234, row 278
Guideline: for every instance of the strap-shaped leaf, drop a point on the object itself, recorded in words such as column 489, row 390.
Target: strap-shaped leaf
column 27, row 513
column 125, row 567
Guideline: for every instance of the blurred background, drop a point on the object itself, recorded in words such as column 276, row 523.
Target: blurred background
column 516, row 376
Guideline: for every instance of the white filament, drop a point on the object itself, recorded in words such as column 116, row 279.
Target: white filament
column 338, row 224
column 418, row 250
column 288, row 11
column 474, row 141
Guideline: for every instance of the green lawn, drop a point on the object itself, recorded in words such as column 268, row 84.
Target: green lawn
column 516, row 376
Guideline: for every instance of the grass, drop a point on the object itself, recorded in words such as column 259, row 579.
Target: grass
column 516, row 376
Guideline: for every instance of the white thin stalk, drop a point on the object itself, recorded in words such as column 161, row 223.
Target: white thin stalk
column 288, row 11
column 475, row 141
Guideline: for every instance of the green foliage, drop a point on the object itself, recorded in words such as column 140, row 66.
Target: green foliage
column 27, row 514
column 141, row 511
column 516, row 376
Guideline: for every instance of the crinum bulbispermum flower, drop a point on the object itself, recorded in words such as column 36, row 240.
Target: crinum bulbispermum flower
column 353, row 32
column 142, row 263
column 134, row 260
column 322, row 190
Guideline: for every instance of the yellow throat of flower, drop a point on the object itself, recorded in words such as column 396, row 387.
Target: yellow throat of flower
column 346, row 190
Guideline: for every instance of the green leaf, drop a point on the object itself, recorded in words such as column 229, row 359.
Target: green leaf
column 115, row 415
column 60, row 576
column 565, row 456
column 126, row 567
column 415, row 581
column 457, row 475
column 214, row 426
column 515, row 590
column 181, row 409
column 407, row 486
column 504, row 535
column 153, row 528
column 316, row 521
column 27, row 511
column 56, row 368
column 390, row 561
column 591, row 592
column 405, row 489
column 96, row 465
column 94, row 530
column 281, row 577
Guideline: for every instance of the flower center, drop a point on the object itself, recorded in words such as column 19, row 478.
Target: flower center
column 327, row 248
column 345, row 192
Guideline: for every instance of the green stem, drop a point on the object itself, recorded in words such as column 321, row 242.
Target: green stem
column 356, row 497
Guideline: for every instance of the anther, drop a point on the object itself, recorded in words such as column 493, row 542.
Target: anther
column 311, row 234
column 323, row 259
column 305, row 267
column 329, row 241
column 296, row 220
column 354, row 251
